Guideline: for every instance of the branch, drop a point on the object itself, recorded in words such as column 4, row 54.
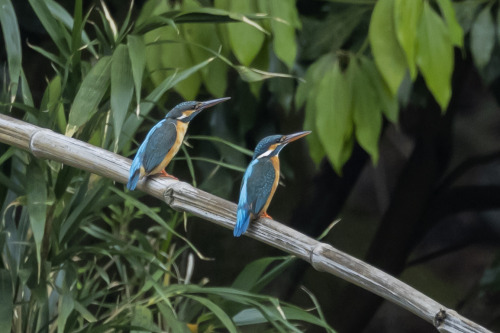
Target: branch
column 44, row 143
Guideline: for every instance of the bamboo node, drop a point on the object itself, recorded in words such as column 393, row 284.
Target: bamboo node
column 439, row 318
column 33, row 140
column 317, row 253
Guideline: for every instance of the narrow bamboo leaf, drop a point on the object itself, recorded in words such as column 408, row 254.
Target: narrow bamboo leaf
column 252, row 272
column 366, row 111
column 59, row 35
column 334, row 115
column 36, row 197
column 86, row 314
column 242, row 150
column 245, row 49
column 388, row 102
column 122, row 88
column 26, row 91
column 456, row 31
column 388, row 54
column 482, row 37
column 137, row 53
column 142, row 317
column 283, row 26
column 12, row 42
column 133, row 123
column 66, row 306
column 88, row 97
column 435, row 55
column 6, row 301
column 217, row 311
column 51, row 56
column 406, row 19
column 170, row 318
column 76, row 35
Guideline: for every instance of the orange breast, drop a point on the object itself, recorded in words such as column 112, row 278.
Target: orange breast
column 181, row 131
column 276, row 164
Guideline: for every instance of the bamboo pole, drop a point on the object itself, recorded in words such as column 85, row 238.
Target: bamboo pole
column 44, row 143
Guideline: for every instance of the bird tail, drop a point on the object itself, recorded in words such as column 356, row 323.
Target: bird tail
column 133, row 179
column 242, row 221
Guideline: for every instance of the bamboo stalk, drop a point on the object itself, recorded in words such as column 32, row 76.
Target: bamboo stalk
column 44, row 143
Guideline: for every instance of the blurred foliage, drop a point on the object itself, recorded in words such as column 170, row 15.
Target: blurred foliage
column 73, row 255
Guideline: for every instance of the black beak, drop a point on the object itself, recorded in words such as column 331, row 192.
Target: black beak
column 207, row 104
column 295, row 136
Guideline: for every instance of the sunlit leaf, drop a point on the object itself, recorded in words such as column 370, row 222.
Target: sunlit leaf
column 388, row 54
column 285, row 21
column 482, row 37
column 12, row 42
column 90, row 94
column 406, row 19
column 366, row 111
column 435, row 55
column 122, row 87
column 334, row 115
column 456, row 31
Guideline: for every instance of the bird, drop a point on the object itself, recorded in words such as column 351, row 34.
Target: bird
column 261, row 179
column 164, row 140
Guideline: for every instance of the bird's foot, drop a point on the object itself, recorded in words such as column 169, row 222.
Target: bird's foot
column 266, row 215
column 165, row 174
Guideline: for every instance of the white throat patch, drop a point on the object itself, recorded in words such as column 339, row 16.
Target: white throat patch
column 266, row 153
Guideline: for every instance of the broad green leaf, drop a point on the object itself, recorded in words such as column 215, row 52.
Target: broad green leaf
column 122, row 88
column 90, row 94
column 334, row 116
column 388, row 102
column 6, row 301
column 137, row 53
column 142, row 317
column 217, row 311
column 132, row 123
column 388, row 54
column 66, row 306
column 406, row 19
column 307, row 93
column 214, row 76
column 285, row 21
column 244, row 39
column 36, row 197
column 435, row 55
column 456, row 31
column 366, row 111
column 52, row 25
column 12, row 42
column 482, row 37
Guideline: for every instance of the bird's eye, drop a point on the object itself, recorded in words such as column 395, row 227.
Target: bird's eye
column 282, row 139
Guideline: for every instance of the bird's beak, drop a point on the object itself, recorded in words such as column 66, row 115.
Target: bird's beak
column 295, row 136
column 207, row 104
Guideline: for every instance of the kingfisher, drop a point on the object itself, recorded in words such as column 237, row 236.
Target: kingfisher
column 164, row 140
column 261, row 179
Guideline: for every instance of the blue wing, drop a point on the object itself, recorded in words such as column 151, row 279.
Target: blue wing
column 157, row 144
column 153, row 150
column 255, row 189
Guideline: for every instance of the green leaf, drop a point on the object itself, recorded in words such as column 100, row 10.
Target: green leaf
column 137, row 53
column 122, row 88
column 388, row 54
column 334, row 115
column 6, row 301
column 252, row 272
column 482, row 37
column 90, row 94
column 388, row 102
column 456, row 31
column 283, row 25
column 435, row 55
column 66, row 306
column 142, row 317
column 217, row 311
column 12, row 42
column 54, row 28
column 36, row 197
column 245, row 40
column 367, row 111
column 406, row 19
